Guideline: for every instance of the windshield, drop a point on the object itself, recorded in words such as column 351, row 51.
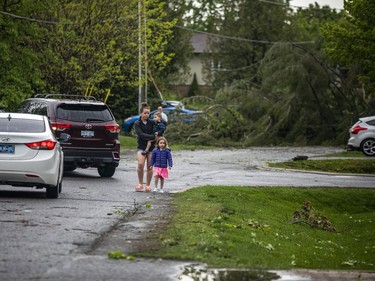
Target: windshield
column 84, row 113
column 21, row 125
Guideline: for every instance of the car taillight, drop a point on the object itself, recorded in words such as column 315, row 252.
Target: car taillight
column 116, row 155
column 42, row 145
column 113, row 128
column 60, row 126
column 357, row 129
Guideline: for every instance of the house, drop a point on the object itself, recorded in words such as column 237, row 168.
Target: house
column 199, row 42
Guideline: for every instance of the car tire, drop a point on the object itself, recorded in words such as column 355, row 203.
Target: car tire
column 368, row 147
column 69, row 168
column 53, row 192
column 106, row 171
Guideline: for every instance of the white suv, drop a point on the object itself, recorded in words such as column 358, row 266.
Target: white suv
column 362, row 136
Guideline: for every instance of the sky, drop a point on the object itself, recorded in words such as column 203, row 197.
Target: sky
column 337, row 4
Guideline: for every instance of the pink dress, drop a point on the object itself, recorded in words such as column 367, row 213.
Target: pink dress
column 161, row 172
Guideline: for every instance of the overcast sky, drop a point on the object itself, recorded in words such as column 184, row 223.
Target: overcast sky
column 337, row 4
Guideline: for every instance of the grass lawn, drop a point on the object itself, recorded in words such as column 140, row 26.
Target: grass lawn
column 357, row 166
column 346, row 154
column 127, row 142
column 247, row 227
column 244, row 227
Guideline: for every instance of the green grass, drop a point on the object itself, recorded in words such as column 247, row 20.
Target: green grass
column 358, row 166
column 346, row 154
column 127, row 142
column 242, row 227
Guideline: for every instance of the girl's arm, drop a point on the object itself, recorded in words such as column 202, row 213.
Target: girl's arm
column 170, row 161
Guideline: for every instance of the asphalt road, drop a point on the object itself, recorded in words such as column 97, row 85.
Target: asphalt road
column 69, row 238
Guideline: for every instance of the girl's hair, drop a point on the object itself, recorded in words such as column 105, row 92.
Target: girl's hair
column 164, row 139
column 143, row 106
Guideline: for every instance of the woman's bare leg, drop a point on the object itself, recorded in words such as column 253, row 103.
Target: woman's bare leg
column 141, row 165
column 149, row 171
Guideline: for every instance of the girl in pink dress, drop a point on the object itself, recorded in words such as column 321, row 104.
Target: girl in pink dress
column 161, row 160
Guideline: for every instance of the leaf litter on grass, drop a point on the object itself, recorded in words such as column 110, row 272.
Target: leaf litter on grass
column 243, row 227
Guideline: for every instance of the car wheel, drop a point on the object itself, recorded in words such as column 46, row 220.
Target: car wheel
column 53, row 192
column 69, row 168
column 106, row 171
column 368, row 147
column 60, row 186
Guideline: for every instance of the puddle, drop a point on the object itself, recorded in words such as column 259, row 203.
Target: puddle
column 201, row 273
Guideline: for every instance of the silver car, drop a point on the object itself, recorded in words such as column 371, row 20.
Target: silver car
column 30, row 155
column 362, row 136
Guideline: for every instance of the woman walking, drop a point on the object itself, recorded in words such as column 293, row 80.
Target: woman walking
column 143, row 127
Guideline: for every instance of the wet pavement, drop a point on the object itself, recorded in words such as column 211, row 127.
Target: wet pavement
column 79, row 251
column 223, row 167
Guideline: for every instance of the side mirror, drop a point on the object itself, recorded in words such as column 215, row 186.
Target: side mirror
column 64, row 137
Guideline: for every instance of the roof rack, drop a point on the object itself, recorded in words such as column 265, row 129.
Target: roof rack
column 65, row 96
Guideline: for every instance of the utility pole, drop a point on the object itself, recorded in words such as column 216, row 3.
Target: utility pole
column 139, row 54
column 145, row 43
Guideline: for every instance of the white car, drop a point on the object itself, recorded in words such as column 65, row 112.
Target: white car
column 30, row 155
column 362, row 136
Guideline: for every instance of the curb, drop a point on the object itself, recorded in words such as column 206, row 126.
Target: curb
column 267, row 168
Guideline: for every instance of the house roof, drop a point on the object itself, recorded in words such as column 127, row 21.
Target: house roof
column 199, row 42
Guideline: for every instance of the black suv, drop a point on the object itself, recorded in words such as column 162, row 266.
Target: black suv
column 91, row 125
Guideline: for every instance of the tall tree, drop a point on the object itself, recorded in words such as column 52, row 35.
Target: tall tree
column 20, row 73
column 69, row 46
column 351, row 44
column 245, row 30
column 178, row 44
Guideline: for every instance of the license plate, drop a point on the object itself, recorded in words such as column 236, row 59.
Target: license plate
column 7, row 148
column 87, row 134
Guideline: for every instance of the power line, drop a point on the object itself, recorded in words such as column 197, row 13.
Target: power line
column 181, row 27
column 233, row 69
column 29, row 19
column 293, row 6
column 243, row 39
column 271, row 2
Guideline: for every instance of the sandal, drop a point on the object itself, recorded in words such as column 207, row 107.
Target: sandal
column 148, row 188
column 139, row 188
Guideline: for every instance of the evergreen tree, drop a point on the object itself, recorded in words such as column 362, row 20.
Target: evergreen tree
column 247, row 28
column 194, row 87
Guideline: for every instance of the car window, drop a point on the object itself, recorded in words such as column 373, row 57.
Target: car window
column 33, row 107
column 21, row 125
column 371, row 122
column 84, row 113
column 41, row 109
column 24, row 107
